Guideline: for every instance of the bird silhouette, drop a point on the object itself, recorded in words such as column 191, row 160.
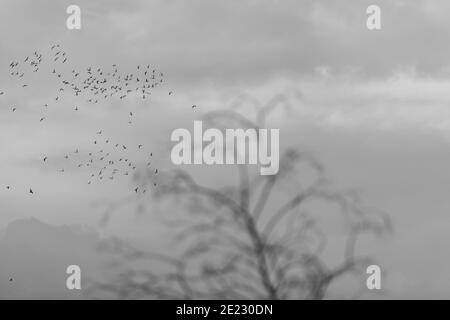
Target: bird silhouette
column 92, row 84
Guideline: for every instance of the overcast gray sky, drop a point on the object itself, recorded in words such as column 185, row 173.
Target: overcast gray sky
column 374, row 106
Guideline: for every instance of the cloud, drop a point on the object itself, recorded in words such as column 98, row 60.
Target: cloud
column 245, row 41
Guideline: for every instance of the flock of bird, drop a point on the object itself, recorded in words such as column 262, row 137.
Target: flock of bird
column 106, row 158
column 109, row 160
column 93, row 83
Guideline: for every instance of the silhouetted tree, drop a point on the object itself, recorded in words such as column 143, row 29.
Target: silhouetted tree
column 254, row 239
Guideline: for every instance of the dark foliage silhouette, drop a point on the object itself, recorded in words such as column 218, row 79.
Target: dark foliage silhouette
column 257, row 239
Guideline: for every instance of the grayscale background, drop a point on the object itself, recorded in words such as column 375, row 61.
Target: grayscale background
column 370, row 110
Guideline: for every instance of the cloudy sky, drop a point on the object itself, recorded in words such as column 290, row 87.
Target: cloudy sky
column 374, row 106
